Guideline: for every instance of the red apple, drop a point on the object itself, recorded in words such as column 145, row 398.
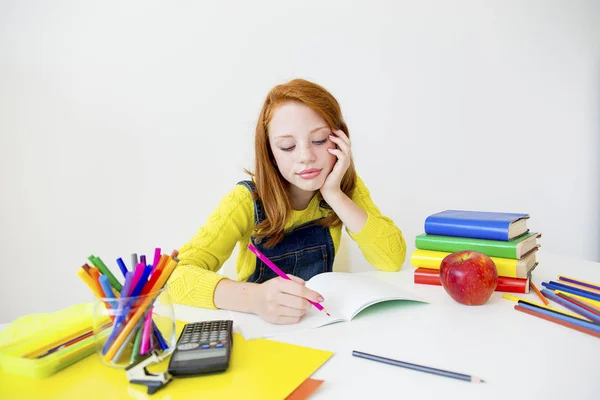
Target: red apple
column 469, row 277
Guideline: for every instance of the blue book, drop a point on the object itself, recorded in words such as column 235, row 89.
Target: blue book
column 477, row 224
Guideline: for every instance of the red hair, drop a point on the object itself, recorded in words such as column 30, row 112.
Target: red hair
column 271, row 186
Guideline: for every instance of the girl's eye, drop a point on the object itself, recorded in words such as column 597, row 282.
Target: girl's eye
column 288, row 148
column 320, row 142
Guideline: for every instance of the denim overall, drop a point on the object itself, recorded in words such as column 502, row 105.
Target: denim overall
column 305, row 251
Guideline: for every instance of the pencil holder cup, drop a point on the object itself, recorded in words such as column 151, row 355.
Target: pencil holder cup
column 126, row 329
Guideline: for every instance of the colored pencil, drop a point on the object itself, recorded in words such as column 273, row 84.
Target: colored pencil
column 105, row 271
column 122, row 266
column 531, row 311
column 145, row 346
column 134, row 261
column 538, row 293
column 578, row 282
column 578, row 297
column 164, row 276
column 156, row 257
column 550, row 308
column 569, row 289
column 417, row 367
column 107, row 289
column 279, row 272
column 136, row 345
column 578, row 286
column 583, row 302
column 565, row 303
column 574, row 305
column 580, row 302
column 94, row 286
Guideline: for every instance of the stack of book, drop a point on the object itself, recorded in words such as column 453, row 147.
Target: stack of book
column 504, row 237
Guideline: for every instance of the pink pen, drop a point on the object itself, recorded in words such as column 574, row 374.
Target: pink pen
column 145, row 345
column 137, row 274
column 279, row 272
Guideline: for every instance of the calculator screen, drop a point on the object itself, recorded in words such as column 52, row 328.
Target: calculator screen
column 198, row 355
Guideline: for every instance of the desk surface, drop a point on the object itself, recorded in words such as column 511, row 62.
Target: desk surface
column 517, row 354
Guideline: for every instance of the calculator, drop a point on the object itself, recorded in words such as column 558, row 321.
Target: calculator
column 203, row 347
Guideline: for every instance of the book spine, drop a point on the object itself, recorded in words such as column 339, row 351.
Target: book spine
column 458, row 228
column 513, row 285
column 433, row 259
column 499, row 249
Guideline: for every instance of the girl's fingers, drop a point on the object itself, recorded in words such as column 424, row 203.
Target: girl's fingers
column 289, row 301
column 340, row 144
column 336, row 152
column 283, row 311
column 342, row 135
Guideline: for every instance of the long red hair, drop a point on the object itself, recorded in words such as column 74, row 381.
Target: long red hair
column 271, row 186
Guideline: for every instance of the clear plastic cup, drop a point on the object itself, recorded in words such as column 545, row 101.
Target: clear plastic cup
column 127, row 329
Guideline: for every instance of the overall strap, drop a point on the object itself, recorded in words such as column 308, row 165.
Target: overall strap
column 259, row 211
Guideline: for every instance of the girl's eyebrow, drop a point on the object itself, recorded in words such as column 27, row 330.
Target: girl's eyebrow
column 292, row 136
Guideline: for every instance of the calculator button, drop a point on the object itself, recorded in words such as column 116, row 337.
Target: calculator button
column 213, row 343
column 218, row 346
column 187, row 346
column 205, row 346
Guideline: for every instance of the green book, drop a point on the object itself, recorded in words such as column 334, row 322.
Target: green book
column 515, row 249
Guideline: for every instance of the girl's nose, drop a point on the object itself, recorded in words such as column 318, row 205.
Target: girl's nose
column 307, row 154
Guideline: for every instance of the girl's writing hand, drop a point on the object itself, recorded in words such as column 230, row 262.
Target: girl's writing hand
column 344, row 156
column 280, row 301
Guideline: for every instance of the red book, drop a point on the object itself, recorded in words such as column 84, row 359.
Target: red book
column 428, row 276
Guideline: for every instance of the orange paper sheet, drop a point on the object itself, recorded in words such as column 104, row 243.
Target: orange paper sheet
column 305, row 390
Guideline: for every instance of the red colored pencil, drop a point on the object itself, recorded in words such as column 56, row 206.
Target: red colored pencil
column 579, row 303
column 558, row 321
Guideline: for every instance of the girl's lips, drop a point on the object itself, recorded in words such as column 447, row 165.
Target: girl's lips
column 309, row 173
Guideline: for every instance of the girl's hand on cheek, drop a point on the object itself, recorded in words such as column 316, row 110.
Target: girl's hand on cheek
column 344, row 156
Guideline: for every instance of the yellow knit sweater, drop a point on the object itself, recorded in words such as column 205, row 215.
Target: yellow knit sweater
column 194, row 280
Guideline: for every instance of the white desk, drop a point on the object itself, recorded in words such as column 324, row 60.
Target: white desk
column 520, row 356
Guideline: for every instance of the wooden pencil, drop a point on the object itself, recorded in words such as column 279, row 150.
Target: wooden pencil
column 558, row 321
column 539, row 294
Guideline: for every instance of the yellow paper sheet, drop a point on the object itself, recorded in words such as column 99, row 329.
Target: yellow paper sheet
column 259, row 369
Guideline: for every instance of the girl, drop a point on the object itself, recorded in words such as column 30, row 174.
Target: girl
column 304, row 188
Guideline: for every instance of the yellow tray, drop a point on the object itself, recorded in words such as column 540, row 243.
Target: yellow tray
column 36, row 332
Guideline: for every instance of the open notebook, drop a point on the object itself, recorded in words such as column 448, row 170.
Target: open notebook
column 346, row 295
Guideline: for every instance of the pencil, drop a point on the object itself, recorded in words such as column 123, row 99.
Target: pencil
column 417, row 367
column 135, row 317
column 282, row 274
column 579, row 282
column 539, row 294
column 569, row 289
column 578, row 286
column 582, row 302
column 575, row 306
column 550, row 308
column 93, row 285
column 582, row 298
column 547, row 317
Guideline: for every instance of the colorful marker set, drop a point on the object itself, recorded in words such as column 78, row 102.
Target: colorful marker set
column 580, row 298
column 129, row 305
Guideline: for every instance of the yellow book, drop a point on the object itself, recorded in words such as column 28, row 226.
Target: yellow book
column 258, row 369
column 505, row 266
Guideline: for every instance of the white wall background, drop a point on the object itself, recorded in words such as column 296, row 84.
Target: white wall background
column 122, row 124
